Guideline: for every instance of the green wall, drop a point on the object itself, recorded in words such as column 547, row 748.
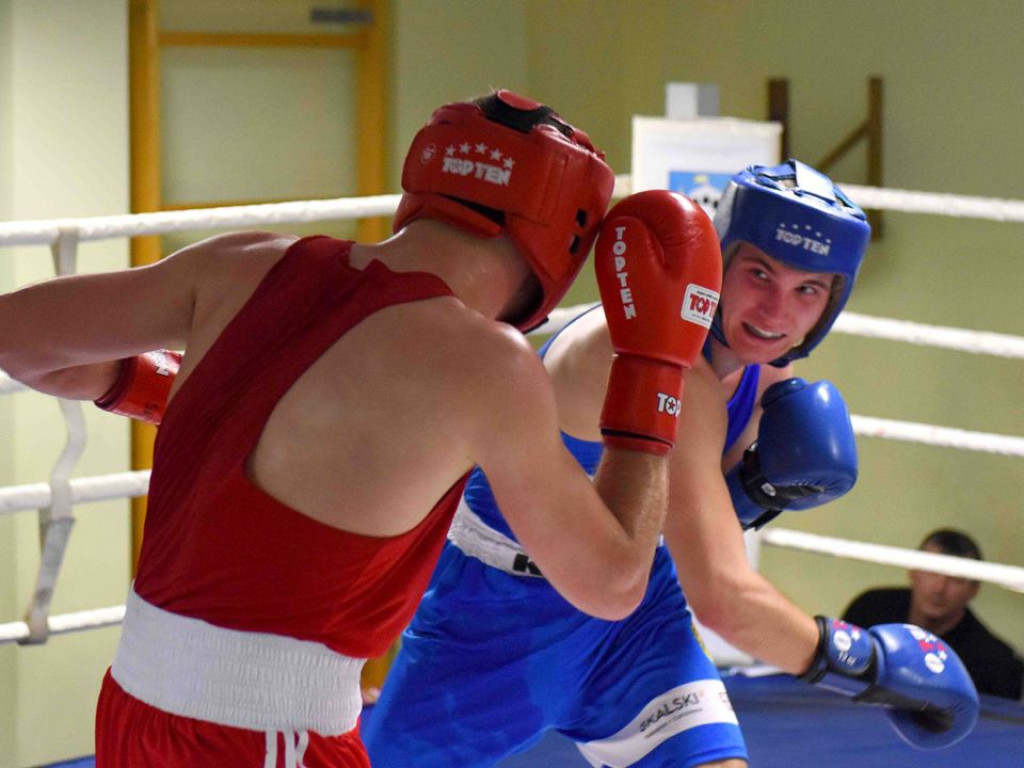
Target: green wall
column 450, row 50
column 63, row 153
column 953, row 108
column 952, row 114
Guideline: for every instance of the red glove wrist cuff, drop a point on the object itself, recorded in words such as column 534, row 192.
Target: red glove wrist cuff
column 142, row 386
column 641, row 405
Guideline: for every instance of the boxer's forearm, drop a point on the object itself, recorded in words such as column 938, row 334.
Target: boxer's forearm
column 80, row 382
column 753, row 616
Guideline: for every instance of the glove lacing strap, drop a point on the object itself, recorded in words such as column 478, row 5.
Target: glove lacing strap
column 834, row 666
column 767, row 495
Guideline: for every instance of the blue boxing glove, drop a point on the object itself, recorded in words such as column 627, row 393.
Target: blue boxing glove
column 930, row 695
column 805, row 454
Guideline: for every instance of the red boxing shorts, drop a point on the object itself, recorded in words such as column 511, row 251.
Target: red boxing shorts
column 132, row 734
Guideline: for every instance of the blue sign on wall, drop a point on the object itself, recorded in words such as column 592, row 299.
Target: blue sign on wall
column 703, row 188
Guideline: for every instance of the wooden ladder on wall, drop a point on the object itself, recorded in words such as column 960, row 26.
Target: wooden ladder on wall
column 870, row 131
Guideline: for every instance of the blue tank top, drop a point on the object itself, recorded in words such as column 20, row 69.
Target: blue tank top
column 741, row 405
column 587, row 453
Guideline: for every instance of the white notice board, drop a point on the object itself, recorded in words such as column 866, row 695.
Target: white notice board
column 696, row 157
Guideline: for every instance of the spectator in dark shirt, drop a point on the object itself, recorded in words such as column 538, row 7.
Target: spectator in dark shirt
column 939, row 604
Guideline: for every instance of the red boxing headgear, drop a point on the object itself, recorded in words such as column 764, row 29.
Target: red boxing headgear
column 546, row 186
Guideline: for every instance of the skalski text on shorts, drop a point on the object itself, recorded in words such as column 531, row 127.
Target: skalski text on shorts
column 675, row 704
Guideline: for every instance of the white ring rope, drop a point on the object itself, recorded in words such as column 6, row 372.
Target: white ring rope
column 135, row 224
column 850, row 323
column 976, row 342
column 907, row 201
column 939, row 204
column 131, row 225
column 945, row 437
column 1009, row 576
column 121, row 485
column 130, row 484
column 18, row 631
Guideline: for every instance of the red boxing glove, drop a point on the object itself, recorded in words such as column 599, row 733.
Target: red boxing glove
column 659, row 270
column 142, row 386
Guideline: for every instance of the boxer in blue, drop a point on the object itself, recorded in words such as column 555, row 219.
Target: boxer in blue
column 494, row 657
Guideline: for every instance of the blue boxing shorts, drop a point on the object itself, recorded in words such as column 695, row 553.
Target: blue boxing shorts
column 493, row 660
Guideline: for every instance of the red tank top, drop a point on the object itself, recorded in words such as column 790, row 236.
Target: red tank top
column 216, row 547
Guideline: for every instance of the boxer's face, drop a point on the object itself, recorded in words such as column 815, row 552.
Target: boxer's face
column 768, row 307
column 940, row 598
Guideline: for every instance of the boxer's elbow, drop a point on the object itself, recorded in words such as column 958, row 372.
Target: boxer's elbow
column 23, row 355
column 23, row 368
column 723, row 604
column 31, row 364
column 626, row 594
column 612, row 605
column 719, row 619
column 615, row 592
column 82, row 382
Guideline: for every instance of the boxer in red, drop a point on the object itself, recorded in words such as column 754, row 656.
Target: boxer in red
column 331, row 400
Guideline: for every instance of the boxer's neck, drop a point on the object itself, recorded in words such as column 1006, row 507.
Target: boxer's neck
column 485, row 274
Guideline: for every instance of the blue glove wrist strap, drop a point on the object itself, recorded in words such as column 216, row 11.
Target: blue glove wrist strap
column 845, row 660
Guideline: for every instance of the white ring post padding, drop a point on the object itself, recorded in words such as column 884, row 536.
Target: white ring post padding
column 1009, row 576
column 15, row 498
column 17, row 631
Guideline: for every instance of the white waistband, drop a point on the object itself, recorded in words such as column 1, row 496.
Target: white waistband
column 476, row 539
column 250, row 680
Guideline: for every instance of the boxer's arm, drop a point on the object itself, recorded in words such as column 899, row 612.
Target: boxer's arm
column 79, row 382
column 61, row 335
column 659, row 270
column 592, row 541
column 66, row 336
column 704, row 536
column 931, row 699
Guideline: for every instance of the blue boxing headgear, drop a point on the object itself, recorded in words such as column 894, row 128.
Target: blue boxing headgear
column 797, row 215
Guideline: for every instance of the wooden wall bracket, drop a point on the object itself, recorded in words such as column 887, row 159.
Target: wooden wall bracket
column 870, row 131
